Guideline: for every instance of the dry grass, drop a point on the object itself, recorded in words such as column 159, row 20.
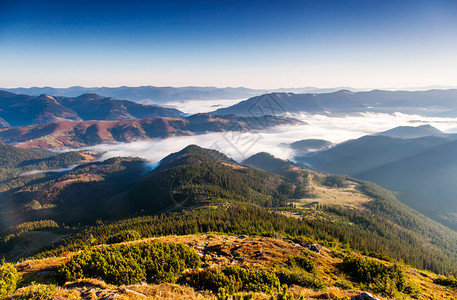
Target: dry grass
column 45, row 264
column 348, row 196
column 219, row 250
column 235, row 167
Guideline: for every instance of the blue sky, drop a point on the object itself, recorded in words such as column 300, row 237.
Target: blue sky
column 259, row 44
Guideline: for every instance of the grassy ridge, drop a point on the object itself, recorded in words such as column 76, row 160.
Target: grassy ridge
column 238, row 219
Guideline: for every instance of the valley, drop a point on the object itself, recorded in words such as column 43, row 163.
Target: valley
column 257, row 228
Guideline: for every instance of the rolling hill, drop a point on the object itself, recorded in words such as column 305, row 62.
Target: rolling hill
column 68, row 134
column 21, row 110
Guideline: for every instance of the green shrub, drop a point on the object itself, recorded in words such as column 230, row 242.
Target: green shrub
column 209, row 279
column 232, row 279
column 302, row 262
column 283, row 294
column 378, row 277
column 253, row 279
column 124, row 236
column 38, row 292
column 128, row 264
column 8, row 279
column 344, row 284
column 299, row 277
column 450, row 281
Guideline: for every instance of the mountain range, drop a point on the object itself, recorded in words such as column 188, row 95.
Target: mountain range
column 160, row 94
column 425, row 103
column 417, row 162
column 74, row 134
column 21, row 110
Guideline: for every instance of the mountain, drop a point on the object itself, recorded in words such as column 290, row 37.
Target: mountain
column 22, row 110
column 79, row 134
column 368, row 152
column 79, row 194
column 420, row 170
column 245, row 227
column 410, row 132
column 161, row 94
column 309, row 145
column 426, row 103
column 279, row 103
column 196, row 176
column 18, row 110
column 15, row 160
column 424, row 181
column 267, row 162
column 12, row 157
column 156, row 94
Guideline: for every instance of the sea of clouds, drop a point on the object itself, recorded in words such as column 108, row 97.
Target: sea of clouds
column 276, row 140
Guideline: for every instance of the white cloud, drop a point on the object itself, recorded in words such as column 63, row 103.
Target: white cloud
column 197, row 106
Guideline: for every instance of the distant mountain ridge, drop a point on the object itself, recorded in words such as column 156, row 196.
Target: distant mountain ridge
column 21, row 110
column 157, row 94
column 162, row 94
column 426, row 103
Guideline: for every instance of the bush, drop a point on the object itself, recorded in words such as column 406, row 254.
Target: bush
column 209, row 279
column 232, row 279
column 253, row 279
column 302, row 262
column 299, row 277
column 8, row 279
column 380, row 278
column 124, row 236
column 450, row 281
column 344, row 284
column 128, row 264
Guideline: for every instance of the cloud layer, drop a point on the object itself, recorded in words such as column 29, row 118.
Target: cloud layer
column 240, row 146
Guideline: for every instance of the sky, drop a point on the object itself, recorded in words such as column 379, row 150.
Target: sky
column 256, row 44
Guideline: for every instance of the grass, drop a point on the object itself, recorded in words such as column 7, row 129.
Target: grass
column 220, row 250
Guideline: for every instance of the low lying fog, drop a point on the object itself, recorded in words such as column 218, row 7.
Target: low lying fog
column 197, row 106
column 240, row 146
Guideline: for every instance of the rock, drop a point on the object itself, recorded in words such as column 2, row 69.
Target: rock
column 312, row 247
column 364, row 296
column 113, row 296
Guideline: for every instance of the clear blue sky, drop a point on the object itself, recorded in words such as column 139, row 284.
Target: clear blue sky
column 260, row 44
